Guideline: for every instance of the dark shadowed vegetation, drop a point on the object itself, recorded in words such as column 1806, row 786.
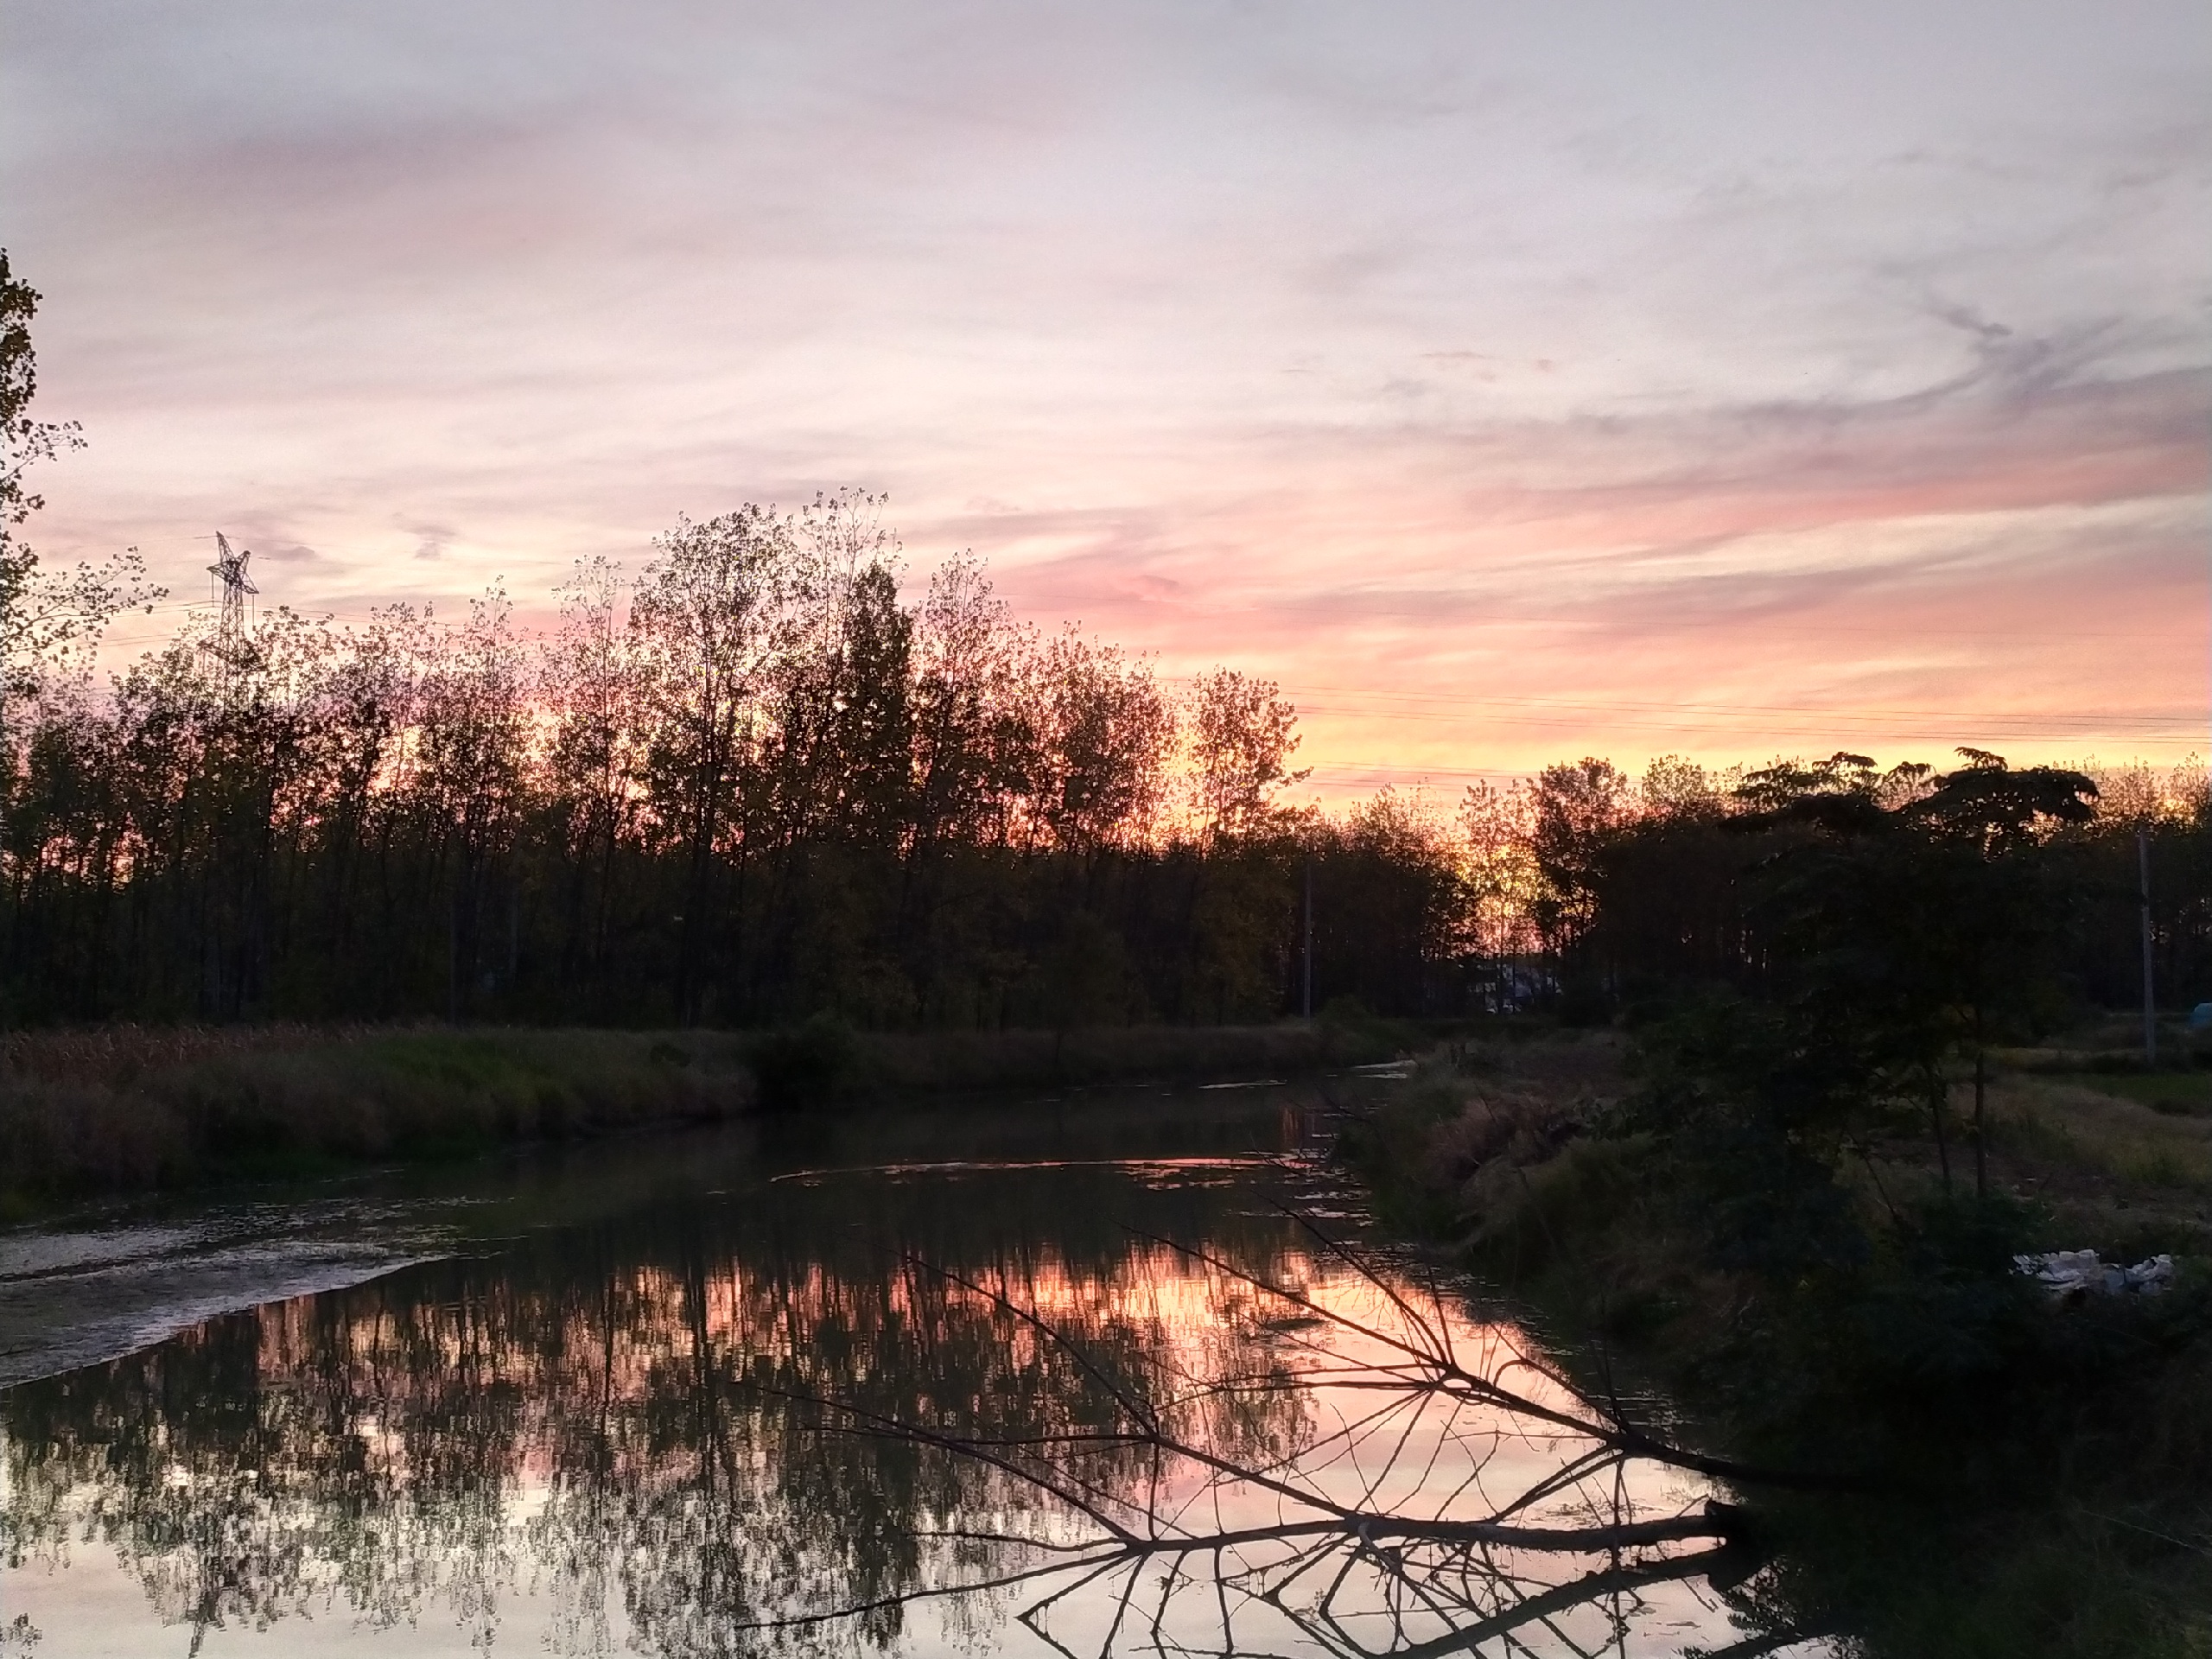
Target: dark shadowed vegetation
column 753, row 786
column 1850, row 1077
column 756, row 785
column 129, row 1109
column 771, row 775
column 121, row 1110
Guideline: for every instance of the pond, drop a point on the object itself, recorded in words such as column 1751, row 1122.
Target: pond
column 1110, row 1374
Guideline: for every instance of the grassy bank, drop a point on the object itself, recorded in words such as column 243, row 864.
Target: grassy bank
column 889, row 1066
column 126, row 1109
column 132, row 1109
column 2040, row 1474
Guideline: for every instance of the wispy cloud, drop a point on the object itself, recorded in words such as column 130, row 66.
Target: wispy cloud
column 1761, row 357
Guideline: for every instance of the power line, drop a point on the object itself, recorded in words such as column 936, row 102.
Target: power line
column 1840, row 726
column 1339, row 611
column 1641, row 705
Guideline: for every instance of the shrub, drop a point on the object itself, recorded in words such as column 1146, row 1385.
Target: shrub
column 803, row 1068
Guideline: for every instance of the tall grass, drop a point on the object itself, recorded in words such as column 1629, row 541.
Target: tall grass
column 2038, row 1470
column 130, row 1109
column 2091, row 1124
column 134, row 1108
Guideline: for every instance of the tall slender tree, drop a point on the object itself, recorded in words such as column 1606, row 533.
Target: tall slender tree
column 710, row 622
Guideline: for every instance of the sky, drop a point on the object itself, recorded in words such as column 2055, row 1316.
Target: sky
column 1511, row 383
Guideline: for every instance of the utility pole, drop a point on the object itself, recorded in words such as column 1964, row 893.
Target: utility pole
column 2143, row 889
column 1308, row 998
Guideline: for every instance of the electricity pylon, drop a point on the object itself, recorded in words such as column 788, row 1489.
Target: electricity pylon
column 231, row 644
column 229, row 569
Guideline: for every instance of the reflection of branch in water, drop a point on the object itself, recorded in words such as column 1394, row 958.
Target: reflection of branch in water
column 1432, row 1361
column 732, row 1433
column 1309, row 1538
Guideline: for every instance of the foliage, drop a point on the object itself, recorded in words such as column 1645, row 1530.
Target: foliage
column 803, row 1068
column 1742, row 1223
column 47, row 620
column 753, row 785
column 130, row 1108
column 1243, row 734
column 134, row 1108
column 1619, row 894
column 767, row 776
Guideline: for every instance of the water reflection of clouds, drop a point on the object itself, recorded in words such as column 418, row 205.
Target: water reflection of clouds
column 655, row 1437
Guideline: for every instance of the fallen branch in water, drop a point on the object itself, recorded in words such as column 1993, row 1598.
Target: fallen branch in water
column 1154, row 1498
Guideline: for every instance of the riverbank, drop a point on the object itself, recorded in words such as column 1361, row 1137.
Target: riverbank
column 2038, row 1473
column 88, row 1114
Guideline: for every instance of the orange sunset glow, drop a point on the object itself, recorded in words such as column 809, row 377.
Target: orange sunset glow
column 1507, row 387
column 1028, row 828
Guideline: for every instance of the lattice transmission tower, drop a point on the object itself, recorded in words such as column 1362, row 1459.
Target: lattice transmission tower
column 229, row 570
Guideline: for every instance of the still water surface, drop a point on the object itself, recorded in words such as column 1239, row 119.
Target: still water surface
column 690, row 1397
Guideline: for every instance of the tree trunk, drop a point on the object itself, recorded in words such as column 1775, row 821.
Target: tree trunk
column 1938, row 1090
column 1980, row 1139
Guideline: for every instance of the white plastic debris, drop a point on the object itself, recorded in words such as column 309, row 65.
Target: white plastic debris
column 2078, row 1273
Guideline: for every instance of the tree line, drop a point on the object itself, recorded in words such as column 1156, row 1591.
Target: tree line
column 755, row 784
column 766, row 777
column 751, row 784
column 1626, row 889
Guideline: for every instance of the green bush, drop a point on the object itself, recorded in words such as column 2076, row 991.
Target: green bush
column 804, row 1067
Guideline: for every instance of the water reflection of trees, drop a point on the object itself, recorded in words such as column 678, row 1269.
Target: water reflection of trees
column 699, row 1433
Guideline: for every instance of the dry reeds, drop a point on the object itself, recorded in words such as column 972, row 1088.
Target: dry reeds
column 131, row 1108
column 126, row 1109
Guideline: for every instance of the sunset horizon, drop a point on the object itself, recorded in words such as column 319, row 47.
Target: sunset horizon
column 1505, row 392
column 1088, row 832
